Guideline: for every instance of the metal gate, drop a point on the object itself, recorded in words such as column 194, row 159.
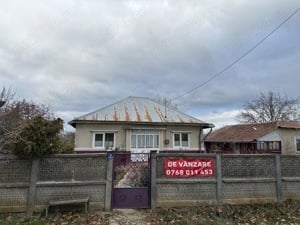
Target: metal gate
column 131, row 180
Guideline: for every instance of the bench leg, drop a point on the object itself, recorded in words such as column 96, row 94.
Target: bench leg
column 86, row 207
column 47, row 208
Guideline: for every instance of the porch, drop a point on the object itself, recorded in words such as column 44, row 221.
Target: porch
column 255, row 147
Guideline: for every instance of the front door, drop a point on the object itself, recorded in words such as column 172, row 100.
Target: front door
column 131, row 183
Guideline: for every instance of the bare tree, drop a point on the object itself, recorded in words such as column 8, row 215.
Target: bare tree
column 68, row 140
column 15, row 115
column 270, row 107
column 6, row 95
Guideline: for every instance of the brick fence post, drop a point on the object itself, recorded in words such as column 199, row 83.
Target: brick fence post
column 34, row 173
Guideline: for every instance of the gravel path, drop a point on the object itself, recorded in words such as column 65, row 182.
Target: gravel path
column 127, row 217
column 126, row 181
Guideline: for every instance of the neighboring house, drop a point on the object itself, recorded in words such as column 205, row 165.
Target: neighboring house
column 273, row 137
column 139, row 125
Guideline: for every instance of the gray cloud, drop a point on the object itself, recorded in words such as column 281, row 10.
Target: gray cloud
column 78, row 56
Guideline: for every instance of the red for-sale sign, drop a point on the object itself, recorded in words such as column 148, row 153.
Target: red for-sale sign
column 180, row 167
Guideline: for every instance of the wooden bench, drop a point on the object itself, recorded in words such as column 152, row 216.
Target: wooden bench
column 84, row 201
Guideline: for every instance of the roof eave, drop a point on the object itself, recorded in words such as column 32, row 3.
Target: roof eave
column 72, row 123
column 231, row 141
column 207, row 125
column 76, row 121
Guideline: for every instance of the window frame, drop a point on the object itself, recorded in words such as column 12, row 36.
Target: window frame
column 297, row 142
column 261, row 145
column 104, row 135
column 273, row 145
column 145, row 139
column 180, row 146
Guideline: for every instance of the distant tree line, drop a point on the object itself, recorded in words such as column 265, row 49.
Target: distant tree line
column 30, row 130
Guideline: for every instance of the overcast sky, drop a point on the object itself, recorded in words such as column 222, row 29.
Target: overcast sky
column 78, row 56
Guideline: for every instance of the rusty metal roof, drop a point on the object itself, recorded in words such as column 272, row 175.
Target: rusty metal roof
column 140, row 109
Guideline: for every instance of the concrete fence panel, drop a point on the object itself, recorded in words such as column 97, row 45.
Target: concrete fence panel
column 14, row 184
column 290, row 172
column 177, row 179
column 248, row 178
column 176, row 191
column 236, row 179
column 28, row 185
column 72, row 176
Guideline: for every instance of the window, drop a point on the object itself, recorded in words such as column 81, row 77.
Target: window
column 298, row 144
column 144, row 139
column 274, row 145
column 181, row 140
column 261, row 145
column 104, row 140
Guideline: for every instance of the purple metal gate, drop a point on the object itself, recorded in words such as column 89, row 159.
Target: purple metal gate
column 131, row 180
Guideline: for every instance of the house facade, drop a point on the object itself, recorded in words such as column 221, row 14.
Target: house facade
column 138, row 125
column 273, row 137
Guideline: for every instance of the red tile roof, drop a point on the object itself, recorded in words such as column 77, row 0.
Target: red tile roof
column 248, row 132
column 289, row 124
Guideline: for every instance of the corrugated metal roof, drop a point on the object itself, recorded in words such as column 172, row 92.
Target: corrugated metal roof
column 139, row 109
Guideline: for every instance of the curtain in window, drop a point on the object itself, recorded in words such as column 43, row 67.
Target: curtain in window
column 144, row 139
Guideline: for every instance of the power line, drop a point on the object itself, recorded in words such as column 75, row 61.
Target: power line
column 239, row 58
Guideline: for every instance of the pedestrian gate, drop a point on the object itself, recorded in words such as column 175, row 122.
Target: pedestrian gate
column 131, row 180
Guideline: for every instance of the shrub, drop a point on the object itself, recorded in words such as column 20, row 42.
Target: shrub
column 39, row 137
